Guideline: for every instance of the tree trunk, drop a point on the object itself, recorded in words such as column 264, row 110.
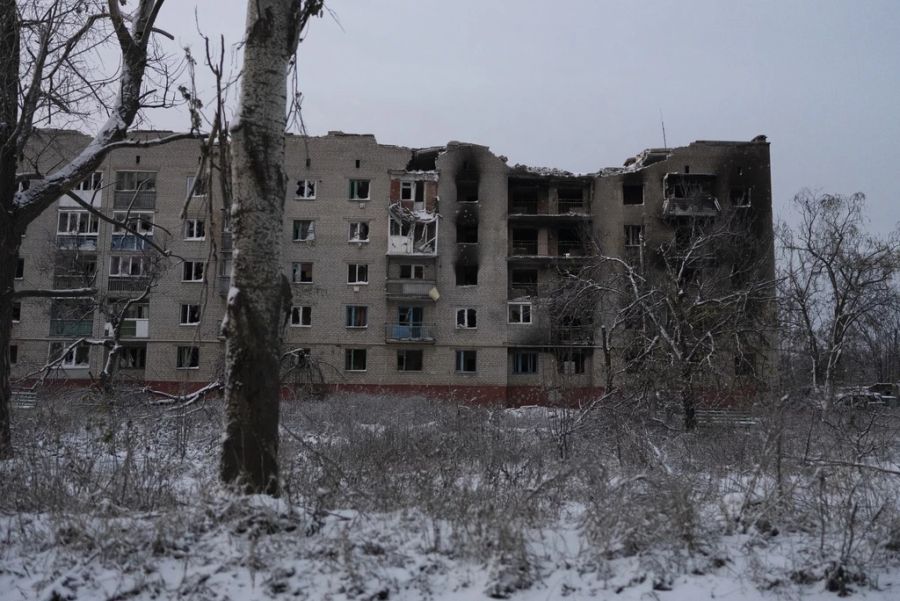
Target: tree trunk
column 9, row 239
column 257, row 299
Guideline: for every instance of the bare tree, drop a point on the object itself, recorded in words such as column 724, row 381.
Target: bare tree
column 260, row 296
column 47, row 76
column 834, row 276
column 683, row 313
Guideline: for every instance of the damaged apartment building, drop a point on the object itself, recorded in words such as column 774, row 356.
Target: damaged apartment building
column 423, row 271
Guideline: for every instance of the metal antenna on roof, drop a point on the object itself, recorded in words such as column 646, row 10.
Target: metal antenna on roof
column 663, row 123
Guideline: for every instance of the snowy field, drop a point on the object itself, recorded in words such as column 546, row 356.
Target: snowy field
column 409, row 499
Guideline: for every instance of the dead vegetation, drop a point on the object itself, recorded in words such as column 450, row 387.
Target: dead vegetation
column 369, row 483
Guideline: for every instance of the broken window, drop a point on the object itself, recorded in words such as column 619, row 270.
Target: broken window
column 17, row 311
column 355, row 359
column 20, row 268
column 467, row 191
column 359, row 231
column 740, row 197
column 306, row 189
column 467, row 275
column 357, row 316
column 407, row 190
column 525, row 362
column 132, row 181
column 466, row 234
column 523, row 282
column 133, row 357
column 412, row 272
column 359, row 189
column 13, row 354
column 192, row 271
column 571, row 361
column 188, row 357
column 519, row 313
column 745, row 364
column 78, row 357
column 634, row 235
column 524, row 241
column 302, row 273
column 466, row 318
column 301, row 317
column 409, row 360
column 466, row 361
column 190, row 315
column 357, row 273
column 194, row 229
column 132, row 266
column 633, row 194
column 570, row 199
column 199, row 191
column 523, row 200
column 304, row 230
column 568, row 242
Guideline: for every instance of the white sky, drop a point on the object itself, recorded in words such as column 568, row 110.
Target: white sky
column 580, row 84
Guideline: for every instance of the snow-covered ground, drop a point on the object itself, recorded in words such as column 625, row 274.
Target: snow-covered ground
column 387, row 499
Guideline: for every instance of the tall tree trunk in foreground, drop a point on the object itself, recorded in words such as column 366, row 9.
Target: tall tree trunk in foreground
column 259, row 295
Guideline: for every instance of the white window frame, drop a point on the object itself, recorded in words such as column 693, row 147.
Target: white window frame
column 129, row 260
column 189, row 186
column 301, row 316
column 310, row 230
column 306, row 189
column 408, row 186
column 355, row 231
column 349, row 362
column 140, row 221
column 70, row 360
column 187, row 313
column 191, row 353
column 469, row 314
column 354, row 189
column 139, row 185
column 92, row 182
column 297, row 271
column 358, row 274
column 191, row 227
column 93, row 223
column 196, row 269
column 525, row 310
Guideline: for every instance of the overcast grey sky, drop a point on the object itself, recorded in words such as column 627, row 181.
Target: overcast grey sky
column 580, row 84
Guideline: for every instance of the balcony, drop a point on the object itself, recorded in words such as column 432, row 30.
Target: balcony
column 523, row 248
column 86, row 242
column 409, row 289
column 522, row 289
column 131, row 328
column 71, row 328
column 223, row 284
column 68, row 282
column 570, row 248
column 134, row 199
column 227, row 241
column 523, row 207
column 690, row 195
column 129, row 242
column 90, row 197
column 572, row 335
column 404, row 332
column 707, row 206
column 127, row 284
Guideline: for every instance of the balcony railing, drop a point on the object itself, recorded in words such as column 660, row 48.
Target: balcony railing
column 127, row 284
column 129, row 242
column 223, row 284
column 402, row 332
column 134, row 199
column 131, row 328
column 76, row 241
column 71, row 328
column 565, row 248
column 523, row 247
column 520, row 290
column 571, row 206
column 409, row 288
column 523, row 207
column 574, row 335
column 698, row 206
column 65, row 282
